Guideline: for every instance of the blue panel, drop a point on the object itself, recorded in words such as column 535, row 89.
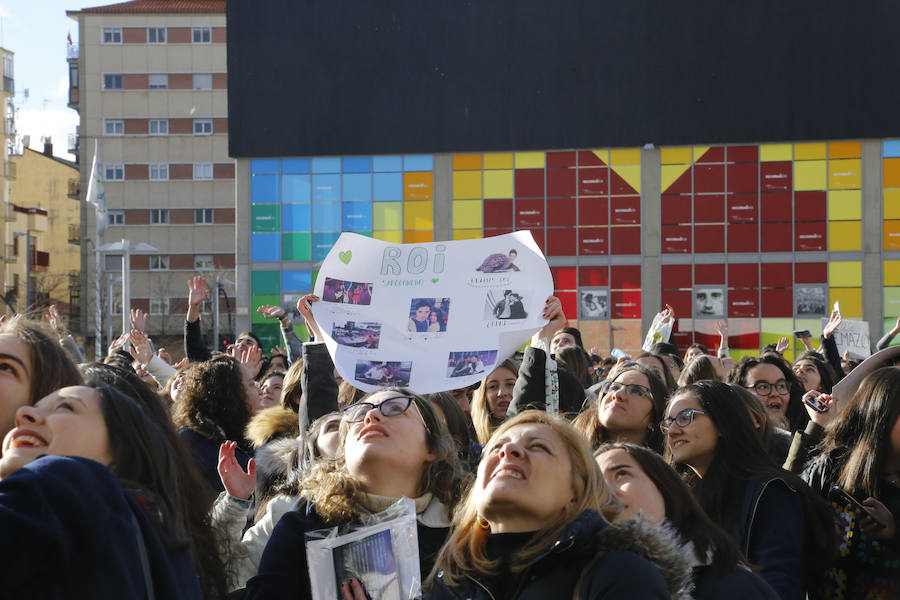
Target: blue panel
column 357, row 164
column 295, row 218
column 295, row 166
column 322, row 244
column 357, row 187
column 295, row 189
column 387, row 163
column 357, row 217
column 265, row 246
column 326, row 165
column 326, row 217
column 418, row 162
column 296, row 281
column 388, row 187
column 890, row 148
column 264, row 166
column 326, row 188
column 264, row 189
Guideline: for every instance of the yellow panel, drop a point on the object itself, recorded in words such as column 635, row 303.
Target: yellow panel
column 845, row 205
column 809, row 151
column 850, row 299
column 395, row 237
column 892, row 272
column 891, row 234
column 467, row 234
column 498, row 184
column 809, row 175
column 845, row 150
column 845, row 274
column 628, row 156
column 699, row 151
column 418, row 215
column 844, row 235
column 466, row 162
column 467, row 214
column 530, row 160
column 773, row 329
column 631, row 175
column 387, row 215
column 844, row 174
column 670, row 173
column 675, row 156
column 602, row 155
column 892, row 204
column 770, row 152
column 498, row 161
column 415, row 237
column 466, row 184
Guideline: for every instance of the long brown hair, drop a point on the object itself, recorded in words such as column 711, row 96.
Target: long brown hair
column 482, row 418
column 51, row 367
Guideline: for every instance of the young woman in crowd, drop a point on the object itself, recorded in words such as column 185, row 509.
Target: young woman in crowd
column 533, row 526
column 648, row 487
column 492, row 398
column 773, row 382
column 700, row 368
column 270, row 387
column 576, row 362
column 776, row 520
column 814, row 373
column 655, row 363
column 694, row 351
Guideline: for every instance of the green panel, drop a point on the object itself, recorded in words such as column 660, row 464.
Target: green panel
column 256, row 302
column 296, row 246
column 315, row 274
column 364, row 233
column 891, row 302
column 888, row 325
column 269, row 335
column 772, row 329
column 265, row 282
column 302, row 331
column 264, row 218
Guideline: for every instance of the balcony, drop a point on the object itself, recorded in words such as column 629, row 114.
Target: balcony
column 75, row 234
column 40, row 261
column 73, row 143
column 73, row 97
column 74, row 189
column 72, row 51
column 10, row 129
column 9, row 85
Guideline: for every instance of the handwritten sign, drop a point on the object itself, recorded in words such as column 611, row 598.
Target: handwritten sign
column 852, row 336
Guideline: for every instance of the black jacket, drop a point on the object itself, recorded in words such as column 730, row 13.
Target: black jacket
column 319, row 388
column 529, row 392
column 205, row 451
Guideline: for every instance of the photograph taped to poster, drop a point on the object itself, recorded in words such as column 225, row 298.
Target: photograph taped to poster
column 481, row 296
column 461, row 364
column 357, row 334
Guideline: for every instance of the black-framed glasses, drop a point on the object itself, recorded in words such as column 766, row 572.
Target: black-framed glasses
column 764, row 388
column 392, row 407
column 682, row 419
column 632, row 389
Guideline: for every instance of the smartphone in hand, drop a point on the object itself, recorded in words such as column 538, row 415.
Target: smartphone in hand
column 816, row 403
column 802, row 333
column 839, row 495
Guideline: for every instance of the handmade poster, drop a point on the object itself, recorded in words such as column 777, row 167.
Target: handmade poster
column 852, row 336
column 431, row 316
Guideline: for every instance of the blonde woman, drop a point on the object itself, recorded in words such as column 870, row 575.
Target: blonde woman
column 492, row 399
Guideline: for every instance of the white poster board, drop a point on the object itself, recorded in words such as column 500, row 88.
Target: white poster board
column 852, row 336
column 432, row 316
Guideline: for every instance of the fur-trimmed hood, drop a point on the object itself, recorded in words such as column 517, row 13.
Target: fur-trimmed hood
column 271, row 423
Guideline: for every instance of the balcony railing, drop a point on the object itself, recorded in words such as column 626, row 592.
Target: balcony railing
column 72, row 51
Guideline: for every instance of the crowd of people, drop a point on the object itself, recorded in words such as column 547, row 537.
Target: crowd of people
column 676, row 473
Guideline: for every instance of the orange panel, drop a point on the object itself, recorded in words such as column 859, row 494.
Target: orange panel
column 844, row 150
column 415, row 237
column 891, row 173
column 418, row 186
column 466, row 162
column 892, row 235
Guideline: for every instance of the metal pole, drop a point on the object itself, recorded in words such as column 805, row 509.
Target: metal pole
column 28, row 307
column 215, row 335
column 98, row 316
column 126, row 284
column 109, row 303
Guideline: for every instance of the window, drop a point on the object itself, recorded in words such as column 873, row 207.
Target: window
column 114, row 172
column 115, row 217
column 73, row 74
column 112, row 263
column 203, row 216
column 159, row 172
column 113, row 126
column 202, row 81
column 202, row 126
column 159, row 127
column 112, row 82
column 159, row 306
column 159, row 216
column 159, row 262
column 203, row 171
column 201, row 35
column 112, row 35
column 158, row 81
column 203, row 262
column 156, row 35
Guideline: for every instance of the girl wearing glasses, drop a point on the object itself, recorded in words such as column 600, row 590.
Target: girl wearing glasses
column 393, row 445
column 773, row 382
column 776, row 520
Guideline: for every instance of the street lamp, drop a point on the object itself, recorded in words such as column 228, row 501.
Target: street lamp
column 126, row 247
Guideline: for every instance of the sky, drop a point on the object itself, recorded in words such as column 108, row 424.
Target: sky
column 35, row 30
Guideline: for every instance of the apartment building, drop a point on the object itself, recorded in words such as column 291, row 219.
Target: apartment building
column 7, row 169
column 148, row 79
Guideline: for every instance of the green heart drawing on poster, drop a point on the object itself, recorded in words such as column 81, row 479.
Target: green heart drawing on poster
column 346, row 256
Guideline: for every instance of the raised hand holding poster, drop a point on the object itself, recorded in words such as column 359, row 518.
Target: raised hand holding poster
column 431, row 316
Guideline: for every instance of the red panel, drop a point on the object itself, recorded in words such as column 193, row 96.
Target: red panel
column 810, row 206
column 560, row 242
column 561, row 182
column 561, row 212
column 676, row 239
column 625, row 305
column 497, row 231
column 569, row 301
column 593, row 276
column 743, row 303
column 498, row 213
column 709, row 209
column 625, row 210
column 709, row 179
column 743, row 238
column 743, row 208
column 680, row 300
column 676, row 209
column 775, row 207
column 564, row 278
column 529, row 183
column 709, row 239
column 816, row 272
column 747, row 341
column 743, row 177
column 743, row 275
column 743, row 153
column 593, row 241
column 593, row 182
column 674, row 277
column 775, row 176
column 529, row 213
column 811, row 237
column 617, row 185
column 714, row 154
column 683, row 339
column 593, row 211
column 560, row 159
column 625, row 277
column 777, row 303
column 625, row 240
column 777, row 275
column 710, row 340
column 586, row 158
column 682, row 185
column 777, row 237
column 538, row 236
column 709, row 274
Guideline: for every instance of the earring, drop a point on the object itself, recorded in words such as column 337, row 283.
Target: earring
column 482, row 522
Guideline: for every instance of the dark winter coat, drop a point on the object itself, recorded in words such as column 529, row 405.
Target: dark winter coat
column 205, row 451
column 530, row 391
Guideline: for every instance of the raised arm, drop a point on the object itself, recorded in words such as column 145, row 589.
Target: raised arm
column 194, row 347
